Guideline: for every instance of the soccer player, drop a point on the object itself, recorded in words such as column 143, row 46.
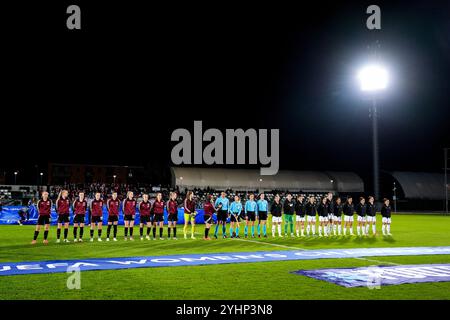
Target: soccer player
column 310, row 210
column 349, row 210
column 235, row 211
column 276, row 209
column 386, row 212
column 330, row 212
column 172, row 211
column 300, row 215
column 322, row 210
column 371, row 216
column 361, row 212
column 250, row 215
column 158, row 220
column 79, row 210
column 44, row 207
column 62, row 207
column 144, row 216
column 222, row 203
column 129, row 212
column 337, row 216
column 189, row 214
column 112, row 205
column 209, row 210
column 262, row 206
column 289, row 210
column 97, row 216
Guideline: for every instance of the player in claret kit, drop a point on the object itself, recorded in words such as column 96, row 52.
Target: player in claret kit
column 337, row 216
column 129, row 212
column 235, row 211
column 361, row 212
column 189, row 214
column 300, row 215
column 289, row 211
column 97, row 216
column 209, row 210
column 250, row 215
column 386, row 212
column 44, row 208
column 322, row 210
column 112, row 205
column 144, row 217
column 310, row 210
column 158, row 219
column 79, row 210
column 371, row 218
column 349, row 210
column 172, row 211
column 222, row 203
column 263, row 207
column 63, row 210
column 275, row 210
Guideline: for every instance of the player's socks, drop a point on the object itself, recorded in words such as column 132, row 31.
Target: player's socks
column 81, row 232
column 108, row 231
column 141, row 231
column 358, row 230
column 168, row 232
column 185, row 229
column 374, row 229
column 115, row 231
column 216, row 230
column 253, row 231
column 36, row 234
column 292, row 227
column 206, row 232
column 339, row 229
column 131, row 231
column 314, row 230
column 303, row 231
column 231, row 231
column 237, row 231
column 308, row 229
column 285, row 227
column 192, row 230
column 66, row 232
column 99, row 232
column 320, row 231
column 148, row 230
column 273, row 230
column 92, row 233
column 388, row 228
column 126, row 231
column 174, row 231
column 58, row 233
column 246, row 230
column 224, row 229
column 279, row 230
column 45, row 234
column 265, row 230
column 259, row 229
column 161, row 229
column 334, row 229
column 75, row 229
column 154, row 232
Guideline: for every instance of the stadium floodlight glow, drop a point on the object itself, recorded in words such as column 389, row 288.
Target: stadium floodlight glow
column 41, row 174
column 373, row 78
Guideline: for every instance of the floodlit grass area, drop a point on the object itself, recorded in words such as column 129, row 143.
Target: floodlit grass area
column 263, row 280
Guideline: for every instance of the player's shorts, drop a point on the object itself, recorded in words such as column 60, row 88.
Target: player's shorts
column 361, row 218
column 128, row 217
column 144, row 219
column 222, row 215
column 323, row 219
column 44, row 220
column 63, row 218
column 251, row 216
column 96, row 219
column 158, row 218
column 300, row 218
column 386, row 220
column 79, row 218
column 312, row 219
column 113, row 218
column 276, row 219
column 172, row 217
column 189, row 217
column 262, row 215
column 337, row 218
column 330, row 216
column 242, row 216
column 371, row 219
column 207, row 219
column 348, row 218
column 234, row 217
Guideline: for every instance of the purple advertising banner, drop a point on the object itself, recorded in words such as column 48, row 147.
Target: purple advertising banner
column 376, row 276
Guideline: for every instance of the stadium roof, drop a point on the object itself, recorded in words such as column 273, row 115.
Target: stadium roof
column 246, row 179
column 421, row 185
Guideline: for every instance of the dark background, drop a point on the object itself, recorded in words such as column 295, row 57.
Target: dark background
column 113, row 92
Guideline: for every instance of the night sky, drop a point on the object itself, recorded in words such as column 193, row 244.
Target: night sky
column 113, row 92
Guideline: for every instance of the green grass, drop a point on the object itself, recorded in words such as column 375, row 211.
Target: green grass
column 264, row 280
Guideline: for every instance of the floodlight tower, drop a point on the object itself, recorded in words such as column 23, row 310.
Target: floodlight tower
column 373, row 79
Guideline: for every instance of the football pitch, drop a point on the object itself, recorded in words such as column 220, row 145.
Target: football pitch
column 259, row 280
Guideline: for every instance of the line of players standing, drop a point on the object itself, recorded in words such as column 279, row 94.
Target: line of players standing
column 335, row 217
